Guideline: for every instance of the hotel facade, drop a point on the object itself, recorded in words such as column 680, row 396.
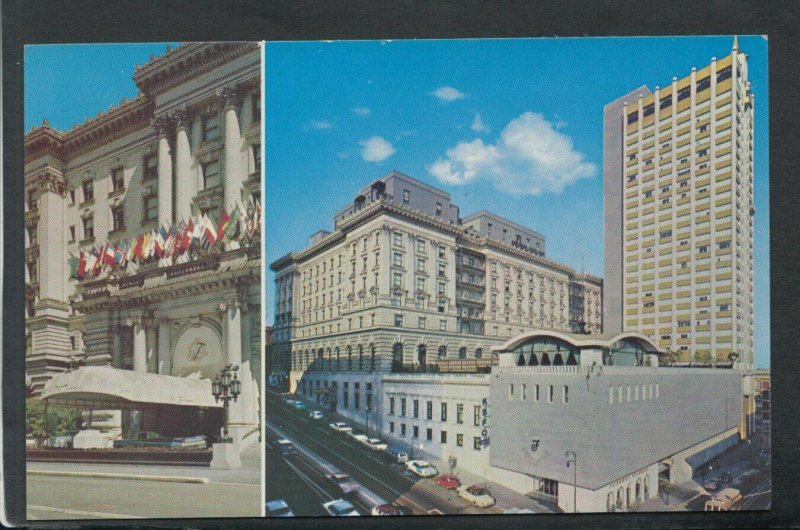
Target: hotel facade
column 678, row 199
column 146, row 339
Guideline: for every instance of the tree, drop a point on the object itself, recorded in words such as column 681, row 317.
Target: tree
column 59, row 419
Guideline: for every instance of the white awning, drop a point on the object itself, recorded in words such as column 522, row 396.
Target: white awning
column 109, row 387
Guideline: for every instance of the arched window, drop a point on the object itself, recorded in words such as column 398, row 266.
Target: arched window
column 349, row 358
column 397, row 356
column 328, row 361
column 360, row 357
column 338, row 367
column 620, row 498
column 479, row 353
column 646, row 487
column 320, row 356
column 638, row 490
column 442, row 351
column 422, row 353
column 610, row 502
column 372, row 357
column 462, row 352
column 628, row 495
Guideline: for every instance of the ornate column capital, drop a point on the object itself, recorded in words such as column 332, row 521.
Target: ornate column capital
column 229, row 96
column 162, row 124
column 181, row 117
column 50, row 181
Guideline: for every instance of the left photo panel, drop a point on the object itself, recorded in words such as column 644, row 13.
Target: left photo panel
column 143, row 280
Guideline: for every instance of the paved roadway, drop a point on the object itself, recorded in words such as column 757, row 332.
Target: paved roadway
column 373, row 469
column 54, row 497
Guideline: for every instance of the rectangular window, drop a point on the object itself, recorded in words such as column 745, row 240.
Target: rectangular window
column 429, row 410
column 402, row 429
column 397, row 259
column 460, row 440
column 443, row 437
column 476, row 443
column 402, row 406
column 524, row 388
column 565, row 395
column 460, row 413
column 416, row 408
column 150, row 207
column 118, row 217
column 210, row 128
column 117, row 178
column 88, row 227
column 549, row 393
column 442, row 325
column 536, row 392
column 476, row 415
column 150, row 167
column 256, row 158
column 438, row 209
column 88, row 190
column 444, row 412
column 391, row 405
column 406, row 197
column 420, row 245
column 391, row 426
column 398, row 321
column 421, row 268
column 415, row 431
column 429, row 434
column 511, row 391
column 397, row 279
column 211, row 176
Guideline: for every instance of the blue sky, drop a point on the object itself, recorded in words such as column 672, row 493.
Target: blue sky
column 340, row 114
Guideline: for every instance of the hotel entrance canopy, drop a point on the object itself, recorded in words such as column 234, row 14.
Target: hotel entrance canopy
column 103, row 386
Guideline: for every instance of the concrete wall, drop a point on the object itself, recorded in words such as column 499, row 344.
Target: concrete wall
column 611, row 439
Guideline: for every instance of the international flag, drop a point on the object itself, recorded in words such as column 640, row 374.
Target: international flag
column 97, row 262
column 232, row 230
column 197, row 232
column 137, row 247
column 169, row 242
column 146, row 240
column 161, row 234
column 210, row 231
column 121, row 255
column 224, row 219
column 82, row 265
column 188, row 232
column 108, row 255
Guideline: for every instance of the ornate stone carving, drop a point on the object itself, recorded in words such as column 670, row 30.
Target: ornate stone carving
column 50, row 181
column 228, row 96
column 181, row 117
column 162, row 124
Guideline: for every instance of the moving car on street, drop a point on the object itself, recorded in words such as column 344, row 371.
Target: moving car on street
column 316, row 414
column 340, row 426
column 476, row 495
column 398, row 454
column 346, row 484
column 375, row 443
column 387, row 509
column 421, row 468
column 340, row 508
column 278, row 508
column 448, row 481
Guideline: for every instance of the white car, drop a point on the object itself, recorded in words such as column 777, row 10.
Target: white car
column 340, row 508
column 476, row 495
column 375, row 443
column 278, row 508
column 340, row 426
column 346, row 484
column 316, row 414
column 422, row 468
column 359, row 437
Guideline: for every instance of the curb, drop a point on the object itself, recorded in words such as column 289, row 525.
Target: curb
column 123, row 476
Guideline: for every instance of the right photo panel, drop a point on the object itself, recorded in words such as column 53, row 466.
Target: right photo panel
column 509, row 276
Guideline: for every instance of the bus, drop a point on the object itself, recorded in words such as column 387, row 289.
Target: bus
column 729, row 499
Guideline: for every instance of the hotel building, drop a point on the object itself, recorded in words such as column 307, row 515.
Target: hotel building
column 188, row 144
column 678, row 199
column 404, row 283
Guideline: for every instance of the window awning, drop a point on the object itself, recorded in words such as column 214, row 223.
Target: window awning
column 103, row 386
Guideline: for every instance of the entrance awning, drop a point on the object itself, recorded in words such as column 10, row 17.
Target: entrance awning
column 103, row 386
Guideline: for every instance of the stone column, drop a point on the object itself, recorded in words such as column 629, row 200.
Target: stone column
column 164, row 358
column 150, row 331
column 233, row 179
column 232, row 318
column 163, row 126
column 185, row 181
column 52, row 268
column 139, row 343
column 116, row 353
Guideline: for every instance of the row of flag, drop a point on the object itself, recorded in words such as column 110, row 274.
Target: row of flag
column 170, row 242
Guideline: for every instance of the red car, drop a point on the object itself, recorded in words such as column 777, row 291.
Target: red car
column 449, row 482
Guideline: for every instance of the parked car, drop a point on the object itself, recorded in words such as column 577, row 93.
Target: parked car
column 359, row 437
column 477, row 495
column 376, row 444
column 448, row 481
column 346, row 484
column 316, row 414
column 278, row 508
column 153, row 439
column 340, row 426
column 340, row 508
column 398, row 454
column 711, row 485
column 387, row 509
column 421, row 468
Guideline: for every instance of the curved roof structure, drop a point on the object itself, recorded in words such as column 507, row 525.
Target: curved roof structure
column 605, row 340
column 106, row 386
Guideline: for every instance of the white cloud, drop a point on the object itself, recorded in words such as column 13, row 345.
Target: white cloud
column 448, row 93
column 361, row 111
column 478, row 125
column 321, row 124
column 376, row 149
column 530, row 158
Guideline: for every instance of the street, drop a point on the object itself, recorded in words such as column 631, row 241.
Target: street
column 297, row 479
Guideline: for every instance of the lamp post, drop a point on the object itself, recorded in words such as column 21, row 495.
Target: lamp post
column 367, row 413
column 574, row 461
column 226, row 386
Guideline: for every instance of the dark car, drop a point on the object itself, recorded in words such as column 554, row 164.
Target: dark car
column 153, row 439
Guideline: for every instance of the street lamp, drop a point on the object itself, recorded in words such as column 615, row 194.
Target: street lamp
column 226, row 386
column 367, row 411
column 574, row 462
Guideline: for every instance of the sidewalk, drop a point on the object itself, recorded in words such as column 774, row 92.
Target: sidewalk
column 250, row 472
